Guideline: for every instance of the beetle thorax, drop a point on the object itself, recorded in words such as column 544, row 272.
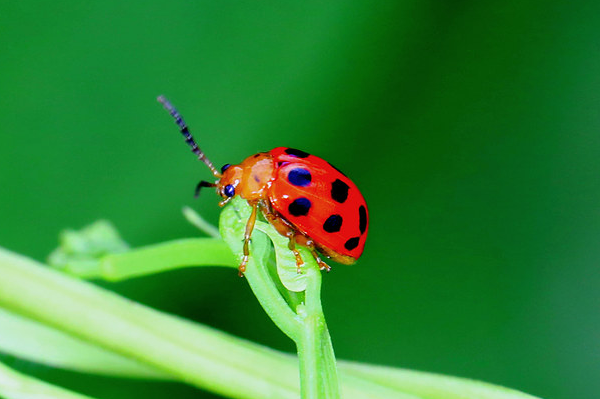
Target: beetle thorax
column 251, row 178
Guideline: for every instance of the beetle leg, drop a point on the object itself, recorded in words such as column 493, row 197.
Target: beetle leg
column 285, row 230
column 280, row 225
column 225, row 201
column 292, row 247
column 247, row 235
column 313, row 250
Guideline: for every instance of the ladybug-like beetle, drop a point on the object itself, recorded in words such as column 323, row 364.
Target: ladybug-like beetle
column 303, row 196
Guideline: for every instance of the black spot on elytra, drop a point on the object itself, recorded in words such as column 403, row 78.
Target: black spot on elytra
column 296, row 153
column 225, row 167
column 339, row 191
column 333, row 166
column 300, row 206
column 299, row 177
column 362, row 219
column 333, row 224
column 257, row 155
column 256, row 178
column 351, row 243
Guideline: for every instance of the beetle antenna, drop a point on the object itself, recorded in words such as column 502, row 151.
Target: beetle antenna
column 183, row 128
column 202, row 184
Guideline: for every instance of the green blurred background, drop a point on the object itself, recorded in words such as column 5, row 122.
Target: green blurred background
column 471, row 127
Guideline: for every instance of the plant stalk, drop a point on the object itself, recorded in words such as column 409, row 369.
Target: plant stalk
column 61, row 308
column 318, row 371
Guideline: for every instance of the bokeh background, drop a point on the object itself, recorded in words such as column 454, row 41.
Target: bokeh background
column 472, row 128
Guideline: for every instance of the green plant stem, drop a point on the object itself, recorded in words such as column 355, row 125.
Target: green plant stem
column 87, row 329
column 306, row 323
column 158, row 258
column 271, row 300
column 183, row 252
column 200, row 356
column 307, row 327
column 14, row 385
column 31, row 340
column 197, row 220
column 191, row 353
column 34, row 341
column 318, row 371
column 430, row 385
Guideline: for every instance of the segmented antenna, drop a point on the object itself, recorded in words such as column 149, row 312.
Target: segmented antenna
column 187, row 135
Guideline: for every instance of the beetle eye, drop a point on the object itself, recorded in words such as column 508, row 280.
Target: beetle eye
column 229, row 190
column 225, row 167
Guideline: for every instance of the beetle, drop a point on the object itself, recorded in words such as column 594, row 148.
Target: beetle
column 304, row 197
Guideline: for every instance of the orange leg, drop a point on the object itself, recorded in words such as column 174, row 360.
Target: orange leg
column 247, row 235
column 225, row 201
column 280, row 225
column 292, row 246
column 322, row 265
column 285, row 230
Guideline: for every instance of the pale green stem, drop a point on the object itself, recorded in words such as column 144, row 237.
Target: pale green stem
column 14, row 385
column 34, row 341
column 200, row 356
column 318, row 369
column 170, row 255
column 305, row 324
column 428, row 385
column 31, row 340
column 126, row 331
column 271, row 300
column 318, row 374
column 155, row 259
column 197, row 220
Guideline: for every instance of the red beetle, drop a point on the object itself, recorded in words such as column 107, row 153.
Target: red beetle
column 303, row 196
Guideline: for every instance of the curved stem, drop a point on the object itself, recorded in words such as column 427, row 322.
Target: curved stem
column 271, row 300
column 155, row 258
column 166, row 256
column 305, row 324
column 232, row 226
column 197, row 220
column 318, row 371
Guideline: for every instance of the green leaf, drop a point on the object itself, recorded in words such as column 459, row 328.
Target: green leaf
column 307, row 327
column 232, row 225
column 286, row 261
